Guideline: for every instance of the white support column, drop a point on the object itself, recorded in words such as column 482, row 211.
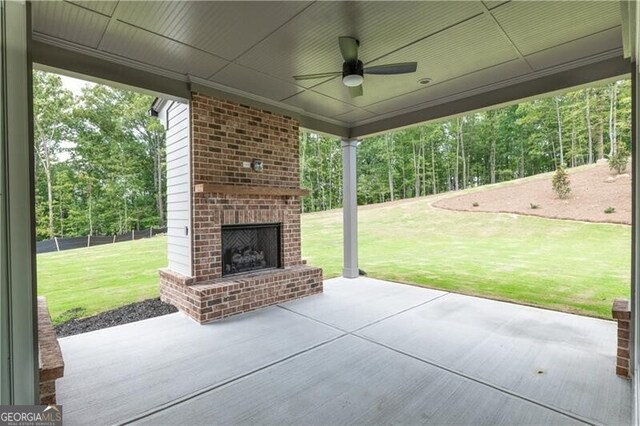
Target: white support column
column 635, row 219
column 634, row 344
column 18, row 323
column 633, row 28
column 350, row 208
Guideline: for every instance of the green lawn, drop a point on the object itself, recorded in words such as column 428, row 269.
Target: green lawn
column 83, row 282
column 563, row 265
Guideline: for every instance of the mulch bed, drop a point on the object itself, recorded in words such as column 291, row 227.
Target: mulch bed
column 129, row 313
column 593, row 189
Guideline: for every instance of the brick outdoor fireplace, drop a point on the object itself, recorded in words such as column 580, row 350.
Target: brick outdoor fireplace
column 245, row 222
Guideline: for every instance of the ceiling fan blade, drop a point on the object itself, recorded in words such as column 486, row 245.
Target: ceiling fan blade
column 390, row 69
column 349, row 48
column 355, row 91
column 318, row 75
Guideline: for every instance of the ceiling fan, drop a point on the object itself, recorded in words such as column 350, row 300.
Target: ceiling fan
column 353, row 69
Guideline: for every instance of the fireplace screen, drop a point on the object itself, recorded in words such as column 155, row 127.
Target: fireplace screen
column 248, row 248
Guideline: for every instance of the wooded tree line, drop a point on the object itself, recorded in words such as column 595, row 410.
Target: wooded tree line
column 99, row 160
column 537, row 136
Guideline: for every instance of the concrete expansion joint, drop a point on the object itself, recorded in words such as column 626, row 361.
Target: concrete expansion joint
column 231, row 380
column 227, row 382
column 355, row 333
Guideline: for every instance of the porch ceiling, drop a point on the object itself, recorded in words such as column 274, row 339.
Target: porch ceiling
column 251, row 50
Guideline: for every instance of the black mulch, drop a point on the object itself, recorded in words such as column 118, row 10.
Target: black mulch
column 129, row 313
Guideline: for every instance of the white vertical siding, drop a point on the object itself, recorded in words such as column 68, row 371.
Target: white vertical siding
column 175, row 117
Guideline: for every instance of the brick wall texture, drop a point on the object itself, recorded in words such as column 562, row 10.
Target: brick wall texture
column 622, row 313
column 51, row 364
column 223, row 136
column 221, row 298
column 211, row 211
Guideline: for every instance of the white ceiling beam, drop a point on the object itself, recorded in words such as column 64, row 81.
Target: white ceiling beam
column 562, row 80
column 104, row 69
column 628, row 13
column 99, row 69
column 503, row 33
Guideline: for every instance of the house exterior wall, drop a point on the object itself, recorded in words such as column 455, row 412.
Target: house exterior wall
column 175, row 118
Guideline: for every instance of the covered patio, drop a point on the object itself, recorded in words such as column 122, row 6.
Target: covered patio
column 364, row 352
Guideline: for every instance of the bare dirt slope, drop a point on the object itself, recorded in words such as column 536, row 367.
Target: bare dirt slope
column 593, row 189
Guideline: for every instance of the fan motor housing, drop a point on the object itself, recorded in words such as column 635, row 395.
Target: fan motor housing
column 353, row 67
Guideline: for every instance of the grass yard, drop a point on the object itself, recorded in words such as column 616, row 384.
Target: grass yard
column 83, row 282
column 563, row 265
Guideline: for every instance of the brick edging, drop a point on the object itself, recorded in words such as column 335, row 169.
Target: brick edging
column 621, row 312
column 50, row 361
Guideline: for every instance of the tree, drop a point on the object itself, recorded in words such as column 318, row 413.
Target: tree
column 151, row 134
column 561, row 183
column 433, row 168
column 618, row 161
column 321, row 171
column 460, row 123
column 120, row 151
column 489, row 146
column 417, row 149
column 601, row 141
column 100, row 160
column 613, row 97
column 389, row 139
column 556, row 101
column 52, row 105
column 492, row 149
column 587, row 91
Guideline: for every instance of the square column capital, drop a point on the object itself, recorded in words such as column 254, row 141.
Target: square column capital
column 349, row 143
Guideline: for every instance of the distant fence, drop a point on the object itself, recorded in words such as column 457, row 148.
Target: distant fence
column 60, row 244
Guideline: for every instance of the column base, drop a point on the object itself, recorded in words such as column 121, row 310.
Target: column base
column 350, row 272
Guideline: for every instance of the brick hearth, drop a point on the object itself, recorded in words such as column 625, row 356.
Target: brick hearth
column 223, row 136
column 229, row 296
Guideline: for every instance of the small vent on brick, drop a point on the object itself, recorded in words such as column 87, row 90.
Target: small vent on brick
column 247, row 248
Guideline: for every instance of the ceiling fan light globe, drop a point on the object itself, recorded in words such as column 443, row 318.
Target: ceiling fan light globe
column 352, row 80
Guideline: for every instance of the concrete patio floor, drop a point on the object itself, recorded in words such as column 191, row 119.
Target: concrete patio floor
column 365, row 351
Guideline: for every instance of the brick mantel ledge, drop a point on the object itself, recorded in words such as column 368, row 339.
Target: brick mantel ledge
column 250, row 190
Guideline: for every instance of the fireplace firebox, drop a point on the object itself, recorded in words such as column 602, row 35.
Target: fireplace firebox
column 247, row 248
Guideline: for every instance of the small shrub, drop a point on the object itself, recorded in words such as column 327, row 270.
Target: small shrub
column 476, row 204
column 534, row 206
column 609, row 210
column 561, row 183
column 619, row 160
